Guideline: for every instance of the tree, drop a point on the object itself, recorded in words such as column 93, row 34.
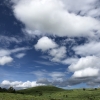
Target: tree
column 11, row 90
column 95, row 88
column 84, row 89
column 4, row 90
column 0, row 89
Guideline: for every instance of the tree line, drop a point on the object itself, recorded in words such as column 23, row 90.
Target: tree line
column 9, row 90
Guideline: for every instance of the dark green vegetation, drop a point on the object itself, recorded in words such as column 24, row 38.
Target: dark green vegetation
column 9, row 90
column 52, row 93
column 41, row 89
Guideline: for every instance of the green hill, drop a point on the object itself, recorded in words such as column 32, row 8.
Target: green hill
column 41, row 89
column 52, row 93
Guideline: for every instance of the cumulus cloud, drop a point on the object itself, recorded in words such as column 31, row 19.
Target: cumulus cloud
column 85, row 62
column 87, row 72
column 58, row 54
column 84, row 8
column 80, row 6
column 20, row 55
column 19, row 84
column 5, row 59
column 91, row 48
column 58, row 18
column 45, row 43
column 69, row 61
column 51, row 17
column 85, row 67
column 55, row 52
column 84, row 70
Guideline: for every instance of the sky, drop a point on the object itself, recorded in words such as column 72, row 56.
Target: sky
column 50, row 42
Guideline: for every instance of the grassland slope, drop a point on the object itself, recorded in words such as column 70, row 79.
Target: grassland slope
column 41, row 89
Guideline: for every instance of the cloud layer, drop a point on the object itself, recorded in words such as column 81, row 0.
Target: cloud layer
column 52, row 17
column 57, row 19
column 19, row 84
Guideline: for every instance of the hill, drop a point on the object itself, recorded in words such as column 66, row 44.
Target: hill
column 41, row 89
column 52, row 93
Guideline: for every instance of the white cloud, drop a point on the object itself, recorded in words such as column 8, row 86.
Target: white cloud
column 85, row 62
column 57, row 17
column 39, row 73
column 45, row 63
column 80, row 5
column 45, row 43
column 5, row 59
column 58, row 54
column 8, row 40
column 19, row 49
column 54, row 76
column 84, row 7
column 57, row 75
column 85, row 67
column 19, row 84
column 94, row 12
column 20, row 55
column 92, row 48
column 70, row 61
column 87, row 72
column 52, row 17
column 6, row 52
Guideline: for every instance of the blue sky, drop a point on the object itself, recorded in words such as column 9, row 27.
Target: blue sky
column 49, row 42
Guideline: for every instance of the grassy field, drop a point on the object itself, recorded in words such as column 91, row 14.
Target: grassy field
column 52, row 93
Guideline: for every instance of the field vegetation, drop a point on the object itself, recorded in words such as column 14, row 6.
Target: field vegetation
column 51, row 93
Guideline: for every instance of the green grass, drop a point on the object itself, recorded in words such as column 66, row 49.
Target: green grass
column 52, row 93
column 43, row 89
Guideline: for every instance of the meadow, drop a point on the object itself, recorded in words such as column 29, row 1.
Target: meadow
column 52, row 93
